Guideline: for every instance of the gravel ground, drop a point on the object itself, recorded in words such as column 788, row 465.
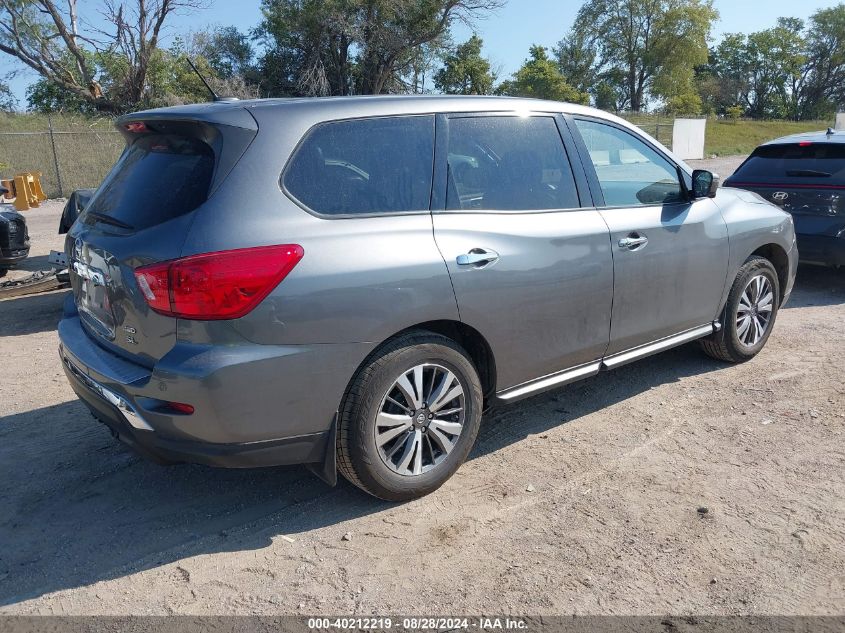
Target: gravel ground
column 677, row 485
column 724, row 166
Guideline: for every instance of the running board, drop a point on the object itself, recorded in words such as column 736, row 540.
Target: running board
column 565, row 377
column 623, row 358
column 550, row 381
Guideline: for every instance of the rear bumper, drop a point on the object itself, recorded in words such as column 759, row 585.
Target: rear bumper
column 262, row 405
column 821, row 249
column 130, row 427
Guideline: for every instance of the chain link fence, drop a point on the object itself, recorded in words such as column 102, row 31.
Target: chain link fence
column 76, row 158
column 67, row 159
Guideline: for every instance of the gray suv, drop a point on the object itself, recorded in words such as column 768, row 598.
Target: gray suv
column 346, row 283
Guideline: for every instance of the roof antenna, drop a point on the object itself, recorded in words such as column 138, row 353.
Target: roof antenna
column 214, row 95
column 831, row 131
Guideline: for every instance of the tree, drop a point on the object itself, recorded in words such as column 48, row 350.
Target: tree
column 46, row 96
column 822, row 87
column 652, row 45
column 8, row 102
column 540, row 78
column 229, row 52
column 465, row 71
column 764, row 72
column 345, row 47
column 576, row 58
column 422, row 61
column 104, row 67
column 684, row 104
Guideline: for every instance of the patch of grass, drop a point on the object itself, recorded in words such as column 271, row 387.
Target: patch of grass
column 732, row 138
column 725, row 137
column 35, row 122
column 85, row 149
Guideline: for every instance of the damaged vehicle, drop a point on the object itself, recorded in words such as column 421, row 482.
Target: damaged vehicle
column 14, row 236
column 348, row 283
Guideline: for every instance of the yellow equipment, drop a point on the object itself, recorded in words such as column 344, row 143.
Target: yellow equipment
column 25, row 190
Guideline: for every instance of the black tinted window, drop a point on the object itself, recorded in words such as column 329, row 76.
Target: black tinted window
column 508, row 163
column 629, row 171
column 822, row 163
column 156, row 179
column 367, row 166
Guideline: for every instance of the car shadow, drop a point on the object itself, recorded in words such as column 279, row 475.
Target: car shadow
column 30, row 314
column 81, row 508
column 817, row 286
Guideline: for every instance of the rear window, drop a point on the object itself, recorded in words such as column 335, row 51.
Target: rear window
column 156, row 179
column 365, row 166
column 822, row 163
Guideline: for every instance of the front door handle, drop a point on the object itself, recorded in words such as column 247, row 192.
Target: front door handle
column 633, row 241
column 477, row 257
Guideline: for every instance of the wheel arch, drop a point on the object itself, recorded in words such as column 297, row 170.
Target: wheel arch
column 475, row 344
column 779, row 259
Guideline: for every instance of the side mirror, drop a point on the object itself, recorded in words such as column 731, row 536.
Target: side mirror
column 704, row 184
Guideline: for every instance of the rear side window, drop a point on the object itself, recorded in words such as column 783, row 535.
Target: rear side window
column 821, row 163
column 365, row 166
column 156, row 179
column 508, row 164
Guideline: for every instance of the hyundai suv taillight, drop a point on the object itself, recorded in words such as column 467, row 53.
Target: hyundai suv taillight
column 215, row 286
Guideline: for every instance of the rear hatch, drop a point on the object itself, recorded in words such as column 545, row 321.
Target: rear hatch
column 173, row 163
column 804, row 178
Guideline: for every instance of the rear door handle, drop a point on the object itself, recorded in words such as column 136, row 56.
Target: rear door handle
column 633, row 241
column 477, row 257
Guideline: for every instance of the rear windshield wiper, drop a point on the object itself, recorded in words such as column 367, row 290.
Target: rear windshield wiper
column 807, row 173
column 107, row 219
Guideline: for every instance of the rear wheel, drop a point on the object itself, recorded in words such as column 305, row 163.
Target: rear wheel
column 749, row 315
column 410, row 417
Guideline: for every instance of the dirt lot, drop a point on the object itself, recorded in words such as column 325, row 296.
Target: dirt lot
column 585, row 500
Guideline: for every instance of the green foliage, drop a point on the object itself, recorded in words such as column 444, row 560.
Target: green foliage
column 735, row 112
column 540, row 78
column 685, row 104
column 8, row 102
column 793, row 70
column 341, row 47
column 760, row 66
column 46, row 96
column 641, row 48
column 228, row 52
column 465, row 71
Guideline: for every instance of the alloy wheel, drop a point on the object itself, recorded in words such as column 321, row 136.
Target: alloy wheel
column 754, row 313
column 420, row 419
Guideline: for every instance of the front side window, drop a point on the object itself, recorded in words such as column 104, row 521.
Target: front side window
column 629, row 171
column 508, row 164
column 365, row 166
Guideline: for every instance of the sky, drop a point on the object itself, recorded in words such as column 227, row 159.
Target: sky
column 507, row 34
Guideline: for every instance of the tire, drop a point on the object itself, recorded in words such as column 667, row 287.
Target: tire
column 735, row 343
column 375, row 403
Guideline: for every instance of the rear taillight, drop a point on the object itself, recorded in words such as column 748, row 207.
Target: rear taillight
column 213, row 286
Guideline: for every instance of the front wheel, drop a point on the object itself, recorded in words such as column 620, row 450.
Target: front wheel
column 749, row 314
column 409, row 418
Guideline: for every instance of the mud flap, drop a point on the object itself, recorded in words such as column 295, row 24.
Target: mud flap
column 327, row 469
